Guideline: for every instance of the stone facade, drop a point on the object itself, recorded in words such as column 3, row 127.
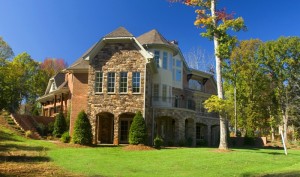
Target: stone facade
column 116, row 57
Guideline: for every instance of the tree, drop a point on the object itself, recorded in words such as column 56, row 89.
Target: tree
column 60, row 125
column 5, row 52
column 216, row 24
column 280, row 59
column 137, row 132
column 82, row 130
column 198, row 59
column 52, row 66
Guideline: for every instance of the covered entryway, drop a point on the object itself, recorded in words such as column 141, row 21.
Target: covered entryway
column 201, row 134
column 165, row 128
column 125, row 120
column 105, row 128
column 215, row 135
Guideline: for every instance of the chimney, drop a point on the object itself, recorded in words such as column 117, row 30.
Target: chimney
column 174, row 42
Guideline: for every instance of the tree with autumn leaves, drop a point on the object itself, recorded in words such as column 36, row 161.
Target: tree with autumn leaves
column 216, row 23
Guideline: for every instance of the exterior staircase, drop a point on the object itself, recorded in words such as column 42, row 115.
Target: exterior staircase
column 26, row 123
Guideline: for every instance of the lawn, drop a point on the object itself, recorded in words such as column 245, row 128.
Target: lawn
column 42, row 158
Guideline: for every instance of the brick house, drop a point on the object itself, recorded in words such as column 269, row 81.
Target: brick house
column 122, row 74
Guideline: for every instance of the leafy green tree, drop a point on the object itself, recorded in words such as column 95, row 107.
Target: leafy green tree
column 60, row 125
column 280, row 60
column 138, row 132
column 217, row 23
column 82, row 130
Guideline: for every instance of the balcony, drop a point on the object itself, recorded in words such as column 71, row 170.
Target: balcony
column 178, row 102
column 174, row 102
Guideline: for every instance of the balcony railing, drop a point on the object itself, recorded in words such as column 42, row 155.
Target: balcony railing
column 178, row 102
column 175, row 102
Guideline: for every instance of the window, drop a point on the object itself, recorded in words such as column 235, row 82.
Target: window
column 156, row 92
column 164, row 93
column 136, row 82
column 178, row 63
column 111, row 82
column 171, row 62
column 165, row 60
column 156, row 57
column 98, row 82
column 178, row 75
column 123, row 82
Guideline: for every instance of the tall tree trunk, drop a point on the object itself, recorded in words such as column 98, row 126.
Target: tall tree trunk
column 223, row 121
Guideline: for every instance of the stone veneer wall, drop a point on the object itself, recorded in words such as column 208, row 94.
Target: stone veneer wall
column 116, row 57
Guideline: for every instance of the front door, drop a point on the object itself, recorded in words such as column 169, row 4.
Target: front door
column 105, row 130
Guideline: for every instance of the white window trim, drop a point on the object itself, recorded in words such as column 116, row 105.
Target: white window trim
column 126, row 83
column 136, row 93
column 102, row 82
column 114, row 84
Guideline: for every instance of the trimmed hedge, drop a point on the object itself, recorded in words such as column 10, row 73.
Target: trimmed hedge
column 137, row 132
column 82, row 130
column 60, row 125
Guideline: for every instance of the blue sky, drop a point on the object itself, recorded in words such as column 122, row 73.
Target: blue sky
column 67, row 28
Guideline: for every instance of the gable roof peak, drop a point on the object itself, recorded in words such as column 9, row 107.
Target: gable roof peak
column 119, row 32
column 152, row 37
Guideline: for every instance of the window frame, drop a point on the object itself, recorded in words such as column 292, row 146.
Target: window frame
column 133, row 82
column 121, row 82
column 157, row 57
column 100, row 82
column 165, row 61
column 108, row 82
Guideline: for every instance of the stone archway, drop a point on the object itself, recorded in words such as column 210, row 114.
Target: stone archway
column 166, row 129
column 215, row 135
column 105, row 128
column 125, row 120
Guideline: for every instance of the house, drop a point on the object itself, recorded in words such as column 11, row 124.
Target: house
column 122, row 74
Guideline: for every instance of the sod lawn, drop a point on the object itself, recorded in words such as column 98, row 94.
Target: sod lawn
column 25, row 157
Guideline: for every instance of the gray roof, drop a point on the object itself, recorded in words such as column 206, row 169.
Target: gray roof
column 120, row 32
column 153, row 37
column 59, row 78
column 80, row 63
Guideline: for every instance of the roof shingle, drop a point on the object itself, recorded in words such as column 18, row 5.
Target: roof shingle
column 120, row 32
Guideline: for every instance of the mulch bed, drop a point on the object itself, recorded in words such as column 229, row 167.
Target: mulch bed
column 139, row 147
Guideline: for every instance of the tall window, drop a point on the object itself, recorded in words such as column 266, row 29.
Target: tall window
column 171, row 62
column 98, row 82
column 111, row 82
column 164, row 93
column 155, row 92
column 123, row 82
column 165, row 60
column 156, row 57
column 136, row 82
column 177, row 74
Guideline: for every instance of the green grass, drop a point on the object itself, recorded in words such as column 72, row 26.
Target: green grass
column 114, row 161
column 176, row 162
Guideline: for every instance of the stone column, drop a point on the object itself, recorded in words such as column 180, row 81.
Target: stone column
column 208, row 134
column 194, row 133
column 181, row 129
column 116, row 130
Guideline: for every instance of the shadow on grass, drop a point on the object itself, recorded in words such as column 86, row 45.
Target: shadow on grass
column 7, row 137
column 282, row 174
column 24, row 158
column 13, row 147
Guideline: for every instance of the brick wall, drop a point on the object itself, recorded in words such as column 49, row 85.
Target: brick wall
column 79, row 95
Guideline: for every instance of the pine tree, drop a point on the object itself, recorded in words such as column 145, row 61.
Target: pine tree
column 137, row 132
column 60, row 125
column 82, row 130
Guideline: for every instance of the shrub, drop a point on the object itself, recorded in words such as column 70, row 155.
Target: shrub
column 181, row 142
column 137, row 132
column 59, row 125
column 50, row 128
column 82, row 130
column 65, row 138
column 41, row 129
column 158, row 142
column 189, row 142
column 201, row 142
column 28, row 134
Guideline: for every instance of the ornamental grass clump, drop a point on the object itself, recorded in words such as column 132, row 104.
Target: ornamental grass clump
column 82, row 130
column 137, row 132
